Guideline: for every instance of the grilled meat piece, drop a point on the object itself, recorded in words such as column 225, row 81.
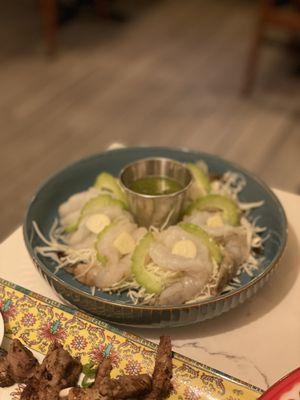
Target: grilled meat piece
column 57, row 371
column 93, row 392
column 86, row 394
column 5, row 376
column 22, row 363
column 161, row 384
column 34, row 391
column 17, row 365
column 125, row 387
column 105, row 388
column 59, row 368
column 103, row 372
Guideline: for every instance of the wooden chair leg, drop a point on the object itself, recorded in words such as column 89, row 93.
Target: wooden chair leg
column 253, row 58
column 49, row 13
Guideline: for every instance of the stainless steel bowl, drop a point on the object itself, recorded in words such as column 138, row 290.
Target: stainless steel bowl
column 156, row 210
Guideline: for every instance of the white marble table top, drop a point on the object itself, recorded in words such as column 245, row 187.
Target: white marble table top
column 258, row 342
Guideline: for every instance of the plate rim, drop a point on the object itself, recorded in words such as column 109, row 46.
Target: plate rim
column 198, row 304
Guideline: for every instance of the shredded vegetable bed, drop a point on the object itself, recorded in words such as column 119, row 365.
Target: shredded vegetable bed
column 96, row 239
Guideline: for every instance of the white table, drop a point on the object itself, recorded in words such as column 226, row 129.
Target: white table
column 258, row 342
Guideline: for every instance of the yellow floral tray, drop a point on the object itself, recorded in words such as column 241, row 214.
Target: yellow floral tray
column 37, row 321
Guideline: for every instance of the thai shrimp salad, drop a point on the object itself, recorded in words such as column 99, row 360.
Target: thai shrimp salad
column 96, row 239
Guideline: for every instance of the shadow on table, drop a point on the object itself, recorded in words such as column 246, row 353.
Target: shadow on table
column 263, row 302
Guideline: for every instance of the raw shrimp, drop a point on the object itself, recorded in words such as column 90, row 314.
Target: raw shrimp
column 236, row 246
column 236, row 251
column 201, row 218
column 161, row 253
column 139, row 233
column 70, row 218
column 117, row 265
column 86, row 242
column 234, row 238
column 103, row 277
column 112, row 274
column 106, row 247
column 198, row 217
column 76, row 202
column 187, row 288
column 83, row 237
column 85, row 273
column 115, row 212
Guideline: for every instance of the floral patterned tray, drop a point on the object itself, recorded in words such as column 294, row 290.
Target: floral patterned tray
column 37, row 321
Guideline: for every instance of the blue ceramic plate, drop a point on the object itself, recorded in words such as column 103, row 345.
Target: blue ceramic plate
column 112, row 307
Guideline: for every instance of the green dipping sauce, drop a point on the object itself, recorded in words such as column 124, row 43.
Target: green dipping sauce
column 155, row 185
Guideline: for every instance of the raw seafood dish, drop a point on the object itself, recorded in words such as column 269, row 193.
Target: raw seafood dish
column 59, row 376
column 96, row 239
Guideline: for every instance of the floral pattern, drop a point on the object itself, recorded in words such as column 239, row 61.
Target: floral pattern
column 38, row 322
column 28, row 319
column 212, row 384
column 8, row 310
column 105, row 351
column 79, row 343
column 133, row 367
column 53, row 331
column 192, row 393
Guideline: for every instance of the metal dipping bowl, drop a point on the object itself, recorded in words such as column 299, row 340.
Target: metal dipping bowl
column 156, row 210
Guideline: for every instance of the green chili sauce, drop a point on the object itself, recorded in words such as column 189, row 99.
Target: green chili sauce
column 155, row 185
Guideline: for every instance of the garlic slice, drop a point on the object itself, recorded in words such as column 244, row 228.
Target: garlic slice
column 185, row 248
column 97, row 222
column 124, row 243
column 64, row 393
